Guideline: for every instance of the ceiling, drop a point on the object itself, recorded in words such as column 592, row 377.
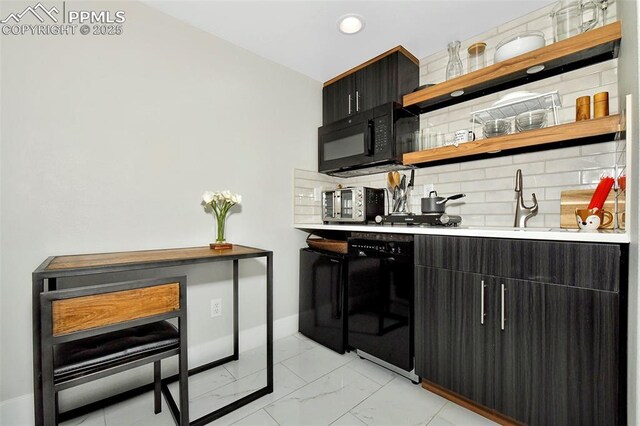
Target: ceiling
column 302, row 35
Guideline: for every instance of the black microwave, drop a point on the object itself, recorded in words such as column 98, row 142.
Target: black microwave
column 369, row 142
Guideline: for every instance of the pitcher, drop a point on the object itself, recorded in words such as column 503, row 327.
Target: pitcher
column 569, row 18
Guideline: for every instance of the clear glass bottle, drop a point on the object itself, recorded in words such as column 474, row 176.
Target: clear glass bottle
column 454, row 66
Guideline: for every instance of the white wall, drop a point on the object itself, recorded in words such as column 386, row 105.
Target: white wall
column 629, row 84
column 109, row 143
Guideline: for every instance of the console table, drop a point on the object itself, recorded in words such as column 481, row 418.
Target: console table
column 46, row 275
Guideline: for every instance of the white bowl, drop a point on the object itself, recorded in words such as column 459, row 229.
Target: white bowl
column 519, row 44
column 514, row 97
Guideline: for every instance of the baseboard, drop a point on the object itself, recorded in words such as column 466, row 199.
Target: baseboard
column 19, row 411
column 492, row 415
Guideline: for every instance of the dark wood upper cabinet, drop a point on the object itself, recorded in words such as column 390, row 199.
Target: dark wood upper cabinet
column 544, row 352
column 383, row 79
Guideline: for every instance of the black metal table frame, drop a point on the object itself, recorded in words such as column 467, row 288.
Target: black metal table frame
column 38, row 280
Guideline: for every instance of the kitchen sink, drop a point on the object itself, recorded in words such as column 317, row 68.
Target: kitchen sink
column 512, row 228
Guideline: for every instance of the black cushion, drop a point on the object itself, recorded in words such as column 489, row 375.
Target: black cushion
column 95, row 353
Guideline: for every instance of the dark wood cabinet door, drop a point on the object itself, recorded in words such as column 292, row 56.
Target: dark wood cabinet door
column 557, row 357
column 376, row 83
column 338, row 100
column 453, row 348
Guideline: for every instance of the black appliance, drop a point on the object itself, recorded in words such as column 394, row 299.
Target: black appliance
column 323, row 277
column 425, row 219
column 372, row 141
column 380, row 300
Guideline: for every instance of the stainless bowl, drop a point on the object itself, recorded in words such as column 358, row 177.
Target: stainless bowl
column 497, row 127
column 530, row 120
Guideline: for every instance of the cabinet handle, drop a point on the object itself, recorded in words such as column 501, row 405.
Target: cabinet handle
column 482, row 314
column 502, row 317
column 349, row 103
column 357, row 101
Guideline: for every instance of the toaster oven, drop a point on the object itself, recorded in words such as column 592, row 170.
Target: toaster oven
column 349, row 205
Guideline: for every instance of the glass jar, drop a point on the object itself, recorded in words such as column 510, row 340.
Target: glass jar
column 568, row 18
column 476, row 58
column 454, row 66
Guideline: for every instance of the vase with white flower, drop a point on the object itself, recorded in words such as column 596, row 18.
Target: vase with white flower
column 220, row 203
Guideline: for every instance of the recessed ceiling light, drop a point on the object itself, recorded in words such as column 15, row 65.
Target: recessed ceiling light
column 350, row 24
column 534, row 69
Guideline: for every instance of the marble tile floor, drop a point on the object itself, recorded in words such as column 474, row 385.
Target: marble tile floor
column 312, row 386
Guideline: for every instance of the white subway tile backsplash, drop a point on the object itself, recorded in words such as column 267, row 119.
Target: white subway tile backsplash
column 446, row 189
column 581, row 163
column 487, row 163
column 421, row 179
column 443, row 168
column 499, row 220
column 461, row 176
column 593, row 176
column 551, row 154
column 552, row 179
column 307, row 210
column 546, row 207
column 539, row 24
column 303, row 192
column 504, row 171
column 472, row 197
column 487, row 208
column 552, row 221
column 569, row 99
column 438, row 63
column 452, row 209
column 487, row 185
column 506, row 195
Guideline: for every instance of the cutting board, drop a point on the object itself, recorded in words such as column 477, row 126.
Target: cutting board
column 579, row 199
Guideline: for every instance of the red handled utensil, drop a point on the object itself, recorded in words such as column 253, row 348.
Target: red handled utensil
column 601, row 193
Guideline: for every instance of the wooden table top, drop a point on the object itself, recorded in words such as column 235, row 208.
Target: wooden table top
column 106, row 260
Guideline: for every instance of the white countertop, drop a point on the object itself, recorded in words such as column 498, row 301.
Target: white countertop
column 552, row 234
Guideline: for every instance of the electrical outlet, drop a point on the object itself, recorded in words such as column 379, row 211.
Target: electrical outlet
column 317, row 193
column 428, row 187
column 216, row 307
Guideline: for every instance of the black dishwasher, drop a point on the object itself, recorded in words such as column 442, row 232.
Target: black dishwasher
column 323, row 277
column 380, row 300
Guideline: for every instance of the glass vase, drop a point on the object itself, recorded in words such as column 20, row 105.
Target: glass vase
column 454, row 66
column 220, row 224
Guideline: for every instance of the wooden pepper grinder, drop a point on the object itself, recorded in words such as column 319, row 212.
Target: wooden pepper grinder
column 583, row 108
column 600, row 104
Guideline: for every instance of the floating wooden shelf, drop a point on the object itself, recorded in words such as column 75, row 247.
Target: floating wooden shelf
column 548, row 135
column 576, row 52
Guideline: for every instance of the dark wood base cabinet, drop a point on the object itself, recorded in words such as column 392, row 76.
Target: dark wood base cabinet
column 544, row 345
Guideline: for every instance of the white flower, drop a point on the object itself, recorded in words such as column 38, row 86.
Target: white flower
column 239, row 198
column 207, row 197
